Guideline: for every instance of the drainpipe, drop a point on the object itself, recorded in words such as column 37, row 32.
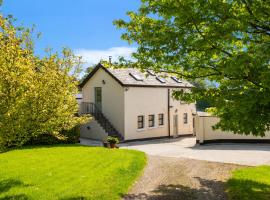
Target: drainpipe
column 169, row 121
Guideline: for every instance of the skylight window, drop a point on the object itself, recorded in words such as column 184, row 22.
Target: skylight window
column 136, row 77
column 151, row 72
column 176, row 79
column 160, row 79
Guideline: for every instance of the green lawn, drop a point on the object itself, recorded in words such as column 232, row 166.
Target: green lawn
column 250, row 183
column 68, row 172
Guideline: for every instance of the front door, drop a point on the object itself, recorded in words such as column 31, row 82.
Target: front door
column 98, row 98
column 175, row 125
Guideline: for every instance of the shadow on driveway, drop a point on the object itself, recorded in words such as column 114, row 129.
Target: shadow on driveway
column 210, row 190
column 232, row 146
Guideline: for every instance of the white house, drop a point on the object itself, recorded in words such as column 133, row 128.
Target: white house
column 134, row 105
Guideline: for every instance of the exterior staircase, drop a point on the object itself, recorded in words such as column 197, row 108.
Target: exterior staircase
column 92, row 109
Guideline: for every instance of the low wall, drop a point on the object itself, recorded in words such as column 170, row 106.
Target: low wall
column 205, row 132
column 93, row 130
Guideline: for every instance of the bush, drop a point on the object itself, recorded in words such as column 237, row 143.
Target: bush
column 37, row 95
column 113, row 140
column 67, row 137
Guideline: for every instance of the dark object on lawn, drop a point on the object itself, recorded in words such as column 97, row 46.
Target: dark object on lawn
column 106, row 144
column 113, row 141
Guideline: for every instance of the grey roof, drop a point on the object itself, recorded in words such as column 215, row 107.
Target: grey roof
column 124, row 77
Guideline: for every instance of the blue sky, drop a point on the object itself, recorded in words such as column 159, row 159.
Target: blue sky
column 82, row 25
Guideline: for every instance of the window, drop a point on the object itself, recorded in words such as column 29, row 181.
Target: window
column 185, row 118
column 160, row 79
column 140, row 122
column 151, row 120
column 160, row 119
column 136, row 77
column 151, row 72
column 176, row 79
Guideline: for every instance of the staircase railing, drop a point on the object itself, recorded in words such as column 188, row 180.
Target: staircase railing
column 91, row 108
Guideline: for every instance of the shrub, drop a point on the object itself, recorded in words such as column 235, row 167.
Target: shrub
column 113, row 140
column 67, row 137
column 37, row 95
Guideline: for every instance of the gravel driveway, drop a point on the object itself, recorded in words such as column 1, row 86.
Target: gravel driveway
column 181, row 179
column 180, row 169
column 186, row 147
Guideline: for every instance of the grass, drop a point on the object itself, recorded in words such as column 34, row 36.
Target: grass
column 68, row 172
column 250, row 183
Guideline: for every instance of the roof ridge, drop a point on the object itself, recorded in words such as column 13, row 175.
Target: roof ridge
column 124, row 78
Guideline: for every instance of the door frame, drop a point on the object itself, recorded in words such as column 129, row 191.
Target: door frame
column 98, row 104
column 175, row 125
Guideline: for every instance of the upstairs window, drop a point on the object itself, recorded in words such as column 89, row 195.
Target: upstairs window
column 151, row 72
column 185, row 118
column 140, row 122
column 136, row 77
column 176, row 79
column 151, row 120
column 160, row 119
column 160, row 79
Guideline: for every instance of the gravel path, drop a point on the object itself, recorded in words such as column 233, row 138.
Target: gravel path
column 181, row 179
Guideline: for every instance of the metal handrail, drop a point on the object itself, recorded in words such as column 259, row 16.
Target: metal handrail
column 91, row 108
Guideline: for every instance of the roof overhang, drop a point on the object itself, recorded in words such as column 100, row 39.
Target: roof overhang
column 100, row 66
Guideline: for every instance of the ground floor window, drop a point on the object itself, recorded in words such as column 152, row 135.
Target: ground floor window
column 151, row 120
column 185, row 118
column 160, row 119
column 140, row 122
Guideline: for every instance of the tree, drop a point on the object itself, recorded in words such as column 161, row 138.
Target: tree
column 37, row 95
column 87, row 71
column 223, row 42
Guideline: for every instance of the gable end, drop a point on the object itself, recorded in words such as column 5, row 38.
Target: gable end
column 94, row 71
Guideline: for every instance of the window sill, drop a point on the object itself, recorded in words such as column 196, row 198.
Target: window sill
column 140, row 129
column 153, row 127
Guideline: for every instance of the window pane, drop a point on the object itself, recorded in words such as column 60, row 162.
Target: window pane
column 151, row 120
column 185, row 118
column 160, row 119
column 140, row 121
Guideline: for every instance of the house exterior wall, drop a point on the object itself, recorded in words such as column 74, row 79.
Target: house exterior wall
column 145, row 101
column 204, row 131
column 112, row 97
column 93, row 130
column 154, row 100
column 179, row 108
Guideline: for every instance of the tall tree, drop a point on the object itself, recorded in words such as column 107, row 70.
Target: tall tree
column 88, row 70
column 226, row 42
column 37, row 95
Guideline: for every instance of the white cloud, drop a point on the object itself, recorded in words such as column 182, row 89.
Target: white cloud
column 91, row 56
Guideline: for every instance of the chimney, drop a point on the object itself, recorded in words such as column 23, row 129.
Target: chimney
column 110, row 60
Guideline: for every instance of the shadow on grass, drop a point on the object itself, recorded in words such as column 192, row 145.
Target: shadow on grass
column 7, row 184
column 44, row 146
column 209, row 189
column 15, row 197
column 74, row 198
column 247, row 189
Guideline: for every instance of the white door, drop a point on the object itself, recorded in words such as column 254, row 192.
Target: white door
column 98, row 98
column 175, row 125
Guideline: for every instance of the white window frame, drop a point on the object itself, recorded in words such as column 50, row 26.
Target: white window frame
column 143, row 122
column 151, row 120
column 163, row 122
